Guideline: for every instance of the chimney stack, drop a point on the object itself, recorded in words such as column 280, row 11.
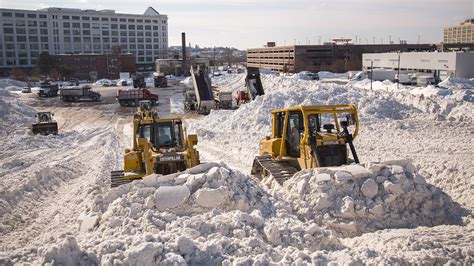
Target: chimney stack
column 183, row 46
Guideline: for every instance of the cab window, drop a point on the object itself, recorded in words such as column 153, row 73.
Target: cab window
column 294, row 131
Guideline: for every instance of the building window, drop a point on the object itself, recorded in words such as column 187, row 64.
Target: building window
column 19, row 15
column 43, row 24
column 31, row 15
column 105, row 19
column 34, row 46
column 66, row 25
column 32, row 31
column 20, row 23
column 8, row 30
column 76, row 25
column 65, row 17
column 131, row 27
column 113, row 19
column 21, row 38
column 20, row 31
column 44, row 31
column 139, row 27
column 42, row 16
column 95, row 19
column 131, row 33
column 114, row 26
column 105, row 33
column 86, row 32
column 7, row 14
column 123, row 20
column 44, row 38
column 131, row 20
column 32, row 23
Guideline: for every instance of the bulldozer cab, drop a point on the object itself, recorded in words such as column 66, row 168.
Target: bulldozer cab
column 44, row 116
column 307, row 137
column 165, row 133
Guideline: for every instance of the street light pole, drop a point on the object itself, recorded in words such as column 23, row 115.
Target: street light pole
column 398, row 79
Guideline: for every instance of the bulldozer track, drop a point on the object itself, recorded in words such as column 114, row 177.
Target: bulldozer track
column 281, row 171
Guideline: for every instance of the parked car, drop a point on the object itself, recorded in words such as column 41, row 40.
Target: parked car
column 26, row 90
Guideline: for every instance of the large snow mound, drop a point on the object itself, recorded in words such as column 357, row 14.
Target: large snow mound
column 209, row 214
column 13, row 113
column 354, row 199
column 12, row 85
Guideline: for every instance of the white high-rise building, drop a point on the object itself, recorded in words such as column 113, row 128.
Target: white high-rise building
column 24, row 34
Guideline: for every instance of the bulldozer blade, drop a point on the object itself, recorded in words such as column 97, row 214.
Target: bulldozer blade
column 118, row 178
column 45, row 128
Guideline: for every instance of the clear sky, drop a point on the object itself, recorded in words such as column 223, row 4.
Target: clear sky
column 246, row 23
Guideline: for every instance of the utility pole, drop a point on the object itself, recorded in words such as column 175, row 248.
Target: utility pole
column 214, row 61
column 398, row 79
column 371, row 73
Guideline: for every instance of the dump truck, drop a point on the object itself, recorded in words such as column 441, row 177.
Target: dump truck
column 139, row 80
column 48, row 89
column 307, row 137
column 190, row 101
column 160, row 146
column 160, row 80
column 131, row 97
column 253, row 83
column 45, row 125
column 76, row 93
column 222, row 99
column 202, row 88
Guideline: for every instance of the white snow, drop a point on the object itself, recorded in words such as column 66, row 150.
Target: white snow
column 408, row 203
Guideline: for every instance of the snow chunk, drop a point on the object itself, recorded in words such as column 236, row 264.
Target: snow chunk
column 211, row 198
column 369, row 188
column 170, row 196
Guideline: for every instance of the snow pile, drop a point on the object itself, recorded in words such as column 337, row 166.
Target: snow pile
column 208, row 215
column 353, row 200
column 457, row 83
column 230, row 82
column 12, row 85
column 14, row 113
column 177, row 104
column 188, row 82
column 330, row 75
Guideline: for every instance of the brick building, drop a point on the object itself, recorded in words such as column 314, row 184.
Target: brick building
column 328, row 57
column 97, row 66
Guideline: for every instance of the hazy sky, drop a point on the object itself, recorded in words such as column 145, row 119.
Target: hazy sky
column 247, row 23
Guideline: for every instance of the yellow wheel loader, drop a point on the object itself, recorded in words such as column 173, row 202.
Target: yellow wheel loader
column 160, row 146
column 307, row 137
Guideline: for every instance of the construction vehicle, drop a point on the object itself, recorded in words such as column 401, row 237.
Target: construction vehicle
column 76, row 93
column 190, row 101
column 48, row 89
column 307, row 137
column 160, row 146
column 202, row 88
column 131, row 97
column 241, row 97
column 222, row 98
column 139, row 81
column 253, row 83
column 160, row 80
column 46, row 125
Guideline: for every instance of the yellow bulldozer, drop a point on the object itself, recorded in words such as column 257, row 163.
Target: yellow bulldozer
column 307, row 137
column 160, row 146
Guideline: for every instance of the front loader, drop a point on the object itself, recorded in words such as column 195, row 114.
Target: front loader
column 160, row 146
column 45, row 125
column 307, row 137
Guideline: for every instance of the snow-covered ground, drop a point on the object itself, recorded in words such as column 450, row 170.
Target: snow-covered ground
column 410, row 202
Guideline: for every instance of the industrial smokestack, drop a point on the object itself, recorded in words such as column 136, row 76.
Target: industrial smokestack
column 183, row 46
